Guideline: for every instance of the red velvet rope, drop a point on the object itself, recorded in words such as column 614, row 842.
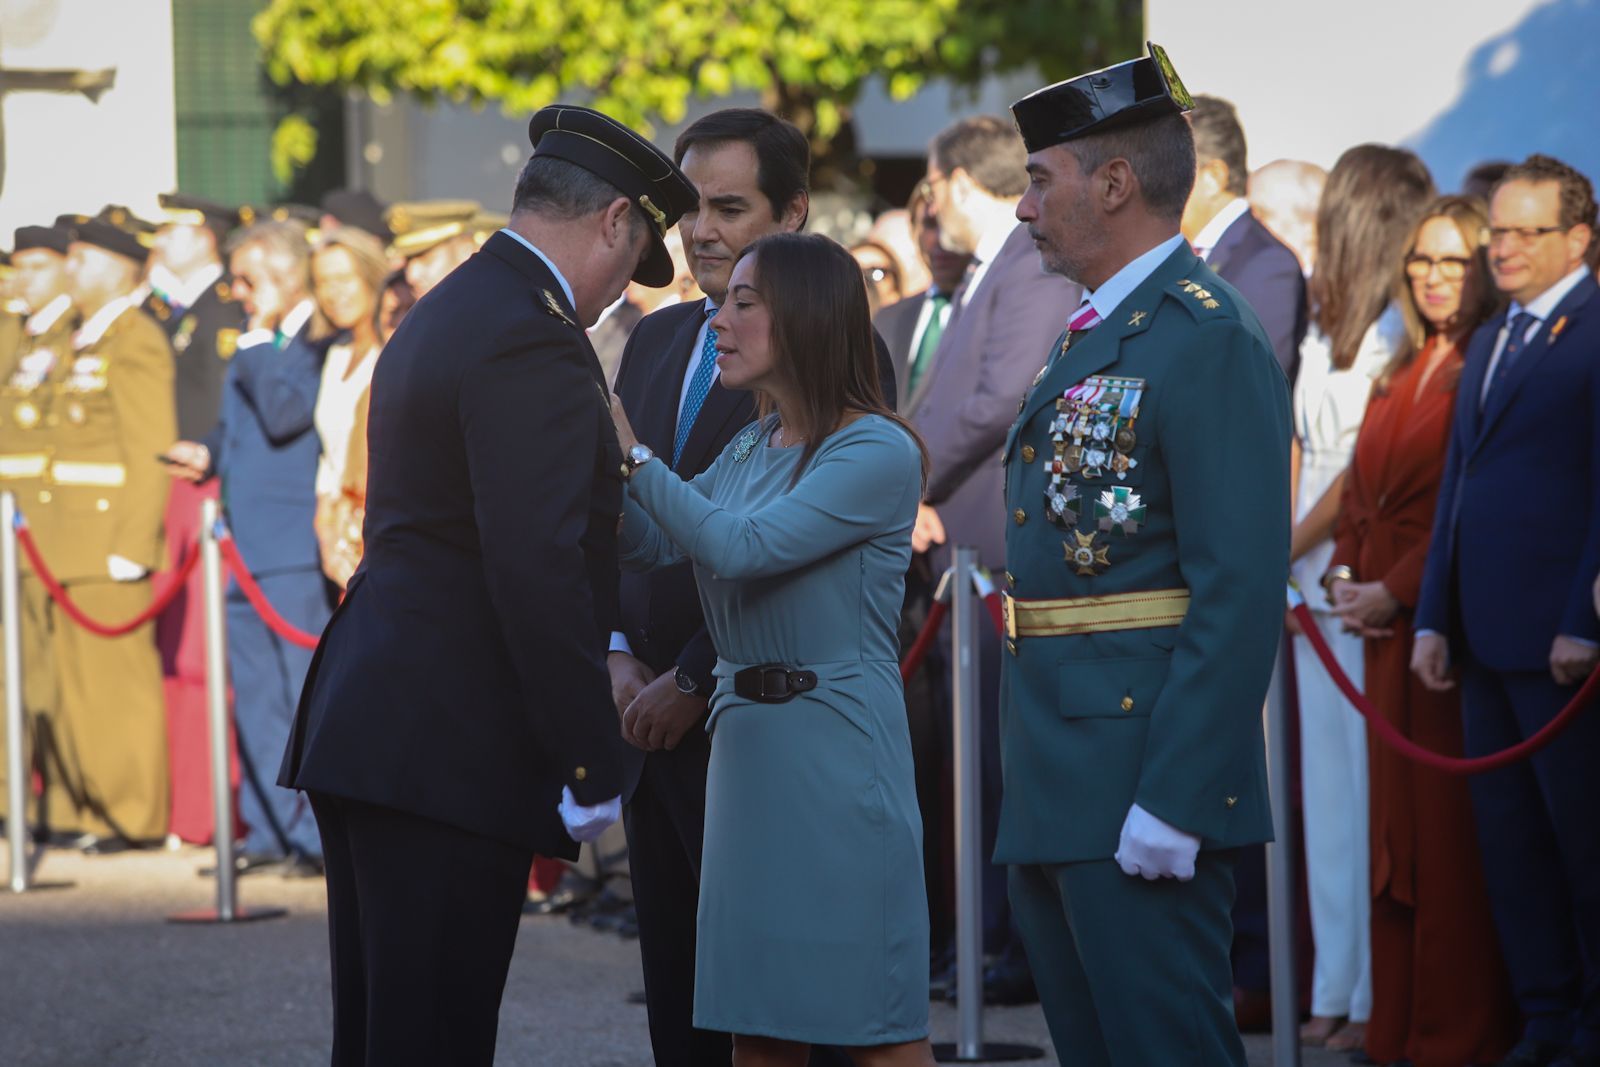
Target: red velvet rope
column 258, row 600
column 930, row 630
column 162, row 598
column 1390, row 735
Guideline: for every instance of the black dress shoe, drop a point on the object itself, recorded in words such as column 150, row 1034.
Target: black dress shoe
column 1531, row 1053
column 1009, row 984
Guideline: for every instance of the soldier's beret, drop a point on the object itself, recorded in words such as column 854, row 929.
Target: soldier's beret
column 103, row 234
column 1121, row 95
column 358, row 208
column 641, row 172
column 51, row 238
column 184, row 210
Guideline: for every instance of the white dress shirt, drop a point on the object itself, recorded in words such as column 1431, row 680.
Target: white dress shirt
column 1540, row 307
column 983, row 257
column 1106, row 299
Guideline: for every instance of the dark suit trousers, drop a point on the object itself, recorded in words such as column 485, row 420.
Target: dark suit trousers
column 422, row 921
column 267, row 674
column 1541, row 848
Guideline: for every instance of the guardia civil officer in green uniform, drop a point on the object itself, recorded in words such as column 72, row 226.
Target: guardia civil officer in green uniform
column 1148, row 490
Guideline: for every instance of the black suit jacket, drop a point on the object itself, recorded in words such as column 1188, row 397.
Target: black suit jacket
column 204, row 339
column 660, row 611
column 463, row 678
column 897, row 324
column 1268, row 276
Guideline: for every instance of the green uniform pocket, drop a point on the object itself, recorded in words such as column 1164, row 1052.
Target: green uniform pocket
column 1123, row 687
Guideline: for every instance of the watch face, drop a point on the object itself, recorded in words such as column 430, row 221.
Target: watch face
column 685, row 683
column 640, row 453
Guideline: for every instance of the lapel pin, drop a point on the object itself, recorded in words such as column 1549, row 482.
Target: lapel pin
column 1138, row 317
column 1555, row 330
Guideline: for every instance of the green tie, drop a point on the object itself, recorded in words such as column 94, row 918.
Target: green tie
column 930, row 340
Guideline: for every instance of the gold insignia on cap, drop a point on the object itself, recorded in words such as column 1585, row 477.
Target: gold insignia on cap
column 227, row 343
column 553, row 306
column 247, row 214
column 655, row 213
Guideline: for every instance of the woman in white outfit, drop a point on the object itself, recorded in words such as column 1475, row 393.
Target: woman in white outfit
column 1373, row 197
column 347, row 273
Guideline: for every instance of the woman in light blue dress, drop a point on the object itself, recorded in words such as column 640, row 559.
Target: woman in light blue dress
column 813, row 923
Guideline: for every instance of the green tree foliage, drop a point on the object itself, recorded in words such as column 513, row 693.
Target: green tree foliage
column 642, row 60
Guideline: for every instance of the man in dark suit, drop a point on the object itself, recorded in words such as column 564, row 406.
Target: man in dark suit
column 457, row 717
column 1218, row 224
column 751, row 169
column 912, row 327
column 1007, row 314
column 1520, row 626
column 264, row 452
column 1220, row 227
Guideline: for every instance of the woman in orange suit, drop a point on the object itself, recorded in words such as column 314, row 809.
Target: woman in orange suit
column 1440, row 995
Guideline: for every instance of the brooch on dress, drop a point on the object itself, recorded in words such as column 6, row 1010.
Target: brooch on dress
column 745, row 445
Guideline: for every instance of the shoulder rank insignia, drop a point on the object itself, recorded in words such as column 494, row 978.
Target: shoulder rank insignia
column 1200, row 293
column 553, row 306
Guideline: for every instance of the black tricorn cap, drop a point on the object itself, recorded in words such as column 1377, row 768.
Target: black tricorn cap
column 51, row 238
column 1120, row 95
column 645, row 175
column 102, row 234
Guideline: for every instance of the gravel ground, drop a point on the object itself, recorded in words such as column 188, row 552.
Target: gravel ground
column 91, row 973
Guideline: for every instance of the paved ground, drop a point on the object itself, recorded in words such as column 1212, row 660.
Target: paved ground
column 92, row 974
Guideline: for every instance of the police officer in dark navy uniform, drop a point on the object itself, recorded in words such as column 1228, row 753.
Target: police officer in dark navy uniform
column 191, row 295
column 458, row 718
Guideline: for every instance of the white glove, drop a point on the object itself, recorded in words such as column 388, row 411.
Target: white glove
column 1154, row 849
column 586, row 824
column 123, row 569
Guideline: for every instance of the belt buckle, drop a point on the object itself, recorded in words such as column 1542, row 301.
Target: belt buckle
column 783, row 691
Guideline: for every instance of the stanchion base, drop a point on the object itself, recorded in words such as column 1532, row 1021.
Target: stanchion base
column 988, row 1052
column 210, row 916
column 31, row 886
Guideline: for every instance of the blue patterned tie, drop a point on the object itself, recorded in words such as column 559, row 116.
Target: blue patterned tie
column 1516, row 335
column 699, row 388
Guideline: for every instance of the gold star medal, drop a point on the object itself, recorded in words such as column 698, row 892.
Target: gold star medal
column 1087, row 558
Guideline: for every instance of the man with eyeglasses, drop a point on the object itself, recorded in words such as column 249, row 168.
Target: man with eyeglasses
column 1506, row 599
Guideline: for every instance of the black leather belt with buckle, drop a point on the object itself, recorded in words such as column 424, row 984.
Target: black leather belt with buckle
column 772, row 683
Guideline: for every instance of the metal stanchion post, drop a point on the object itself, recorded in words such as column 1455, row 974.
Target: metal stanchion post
column 1280, row 873
column 966, row 614
column 16, row 732
column 227, row 909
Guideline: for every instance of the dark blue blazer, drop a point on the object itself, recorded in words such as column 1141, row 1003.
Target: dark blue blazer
column 265, row 448
column 1267, row 274
column 463, row 678
column 1516, row 539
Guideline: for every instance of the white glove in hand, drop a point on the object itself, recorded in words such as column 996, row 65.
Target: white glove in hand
column 123, row 569
column 1152, row 848
column 586, row 824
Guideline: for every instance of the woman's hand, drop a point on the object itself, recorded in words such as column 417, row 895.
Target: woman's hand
column 625, row 435
column 1367, row 608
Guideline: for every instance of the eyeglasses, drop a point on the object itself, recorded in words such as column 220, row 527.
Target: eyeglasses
column 1451, row 268
column 1523, row 234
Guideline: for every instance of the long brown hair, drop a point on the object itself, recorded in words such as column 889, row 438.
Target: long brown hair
column 1373, row 196
column 821, row 335
column 1479, row 299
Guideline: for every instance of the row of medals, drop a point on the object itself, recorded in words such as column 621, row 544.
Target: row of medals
column 88, row 376
column 1093, row 433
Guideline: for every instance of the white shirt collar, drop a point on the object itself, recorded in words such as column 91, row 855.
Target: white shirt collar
column 1541, row 306
column 97, row 324
column 572, row 301
column 296, row 320
column 1118, row 287
column 183, row 292
column 1207, row 238
column 41, row 321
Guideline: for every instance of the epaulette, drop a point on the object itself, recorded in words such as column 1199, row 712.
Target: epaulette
column 552, row 306
column 1196, row 292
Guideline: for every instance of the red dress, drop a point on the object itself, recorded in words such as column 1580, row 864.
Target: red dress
column 1440, row 994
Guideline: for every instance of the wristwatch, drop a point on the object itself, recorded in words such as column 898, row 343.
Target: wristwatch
column 686, row 685
column 637, row 456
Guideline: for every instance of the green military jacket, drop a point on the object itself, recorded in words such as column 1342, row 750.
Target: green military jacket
column 113, row 416
column 31, row 372
column 1183, row 485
